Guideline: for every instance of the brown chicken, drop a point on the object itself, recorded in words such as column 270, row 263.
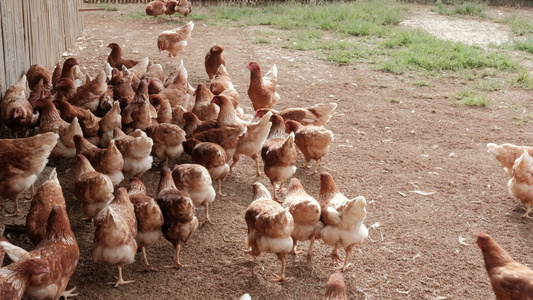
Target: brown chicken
column 177, row 91
column 122, row 90
column 510, row 279
column 279, row 154
column 35, row 74
column 65, row 89
column 116, row 60
column 114, row 234
column 251, row 142
column 521, row 184
column 170, row 8
column 21, row 161
column 138, row 70
column 183, row 7
column 67, row 71
column 313, row 141
column 51, row 122
column 139, row 114
column 174, row 40
column 178, row 214
column 262, row 90
column 60, row 249
column 108, row 123
column 90, row 126
column 155, row 8
column 213, row 59
column 343, row 218
column 269, row 227
column 220, row 81
column 227, row 138
column 213, row 157
column 149, row 218
column 107, row 161
column 227, row 115
column 336, row 288
column 68, row 111
column 135, row 149
column 93, row 189
column 15, row 278
column 194, row 125
column 162, row 107
column 203, row 108
column 168, row 139
column 48, row 195
column 507, row 154
column 306, row 213
column 317, row 115
column 88, row 95
column 195, row 180
column 16, row 111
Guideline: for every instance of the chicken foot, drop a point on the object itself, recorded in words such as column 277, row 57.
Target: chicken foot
column 177, row 263
column 69, row 293
column 528, row 210
column 283, row 258
column 309, row 255
column 32, row 194
column 335, row 255
column 220, row 188
column 16, row 210
column 348, row 251
column 255, row 157
column 293, row 251
column 147, row 266
column 120, row 280
column 207, row 219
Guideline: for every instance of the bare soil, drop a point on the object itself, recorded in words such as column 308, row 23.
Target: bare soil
column 392, row 138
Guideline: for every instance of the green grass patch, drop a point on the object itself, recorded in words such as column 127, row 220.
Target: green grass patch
column 421, row 83
column 463, row 9
column 524, row 80
column 524, row 45
column 522, row 119
column 108, row 7
column 417, row 50
column 470, row 97
column 489, row 85
column 137, row 15
column 520, row 26
column 261, row 40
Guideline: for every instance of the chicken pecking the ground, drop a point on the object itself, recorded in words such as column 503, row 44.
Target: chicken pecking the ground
column 269, row 227
column 306, row 213
column 343, row 218
column 22, row 160
column 178, row 211
column 155, row 8
column 335, row 287
column 174, row 40
column 15, row 278
column 313, row 141
column 195, row 180
column 510, row 279
column 317, row 115
column 16, row 111
column 114, row 234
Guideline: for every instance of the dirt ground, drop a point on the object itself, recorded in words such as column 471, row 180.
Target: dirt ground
column 392, row 138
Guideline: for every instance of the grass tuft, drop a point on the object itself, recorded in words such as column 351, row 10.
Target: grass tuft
column 472, row 98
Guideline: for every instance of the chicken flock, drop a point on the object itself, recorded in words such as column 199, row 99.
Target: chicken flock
column 132, row 117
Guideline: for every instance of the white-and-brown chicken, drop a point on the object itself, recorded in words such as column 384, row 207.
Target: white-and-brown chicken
column 313, row 141
column 306, row 213
column 195, row 180
column 149, row 218
column 213, row 157
column 21, row 161
column 136, row 149
column 48, row 195
column 114, row 235
column 174, row 40
column 93, row 189
column 15, row 278
column 343, row 218
column 16, row 111
column 521, row 184
column 178, row 211
column 167, row 139
column 506, row 154
column 269, row 227
column 317, row 115
column 59, row 249
column 108, row 123
column 139, row 114
column 279, row 154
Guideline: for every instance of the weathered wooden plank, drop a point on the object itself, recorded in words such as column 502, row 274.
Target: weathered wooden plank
column 3, row 24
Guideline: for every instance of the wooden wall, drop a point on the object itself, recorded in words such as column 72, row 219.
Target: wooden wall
column 35, row 31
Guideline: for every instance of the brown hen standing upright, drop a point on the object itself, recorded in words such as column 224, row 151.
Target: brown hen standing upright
column 262, row 89
column 116, row 60
column 155, row 8
column 213, row 59
column 178, row 213
column 114, row 235
column 510, row 280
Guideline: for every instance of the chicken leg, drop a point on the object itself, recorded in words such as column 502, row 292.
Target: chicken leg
column 177, row 263
column 16, row 210
column 120, row 281
column 348, row 251
column 256, row 158
column 208, row 220
column 309, row 255
column 528, row 210
column 147, row 266
column 220, row 188
column 69, row 293
column 283, row 258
